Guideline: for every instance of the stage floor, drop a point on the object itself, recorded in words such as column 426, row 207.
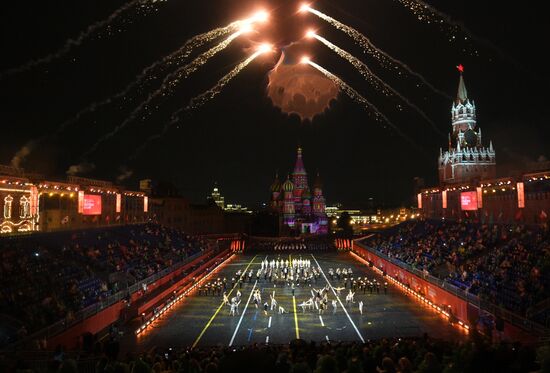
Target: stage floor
column 201, row 320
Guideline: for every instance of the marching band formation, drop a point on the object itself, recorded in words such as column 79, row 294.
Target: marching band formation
column 294, row 273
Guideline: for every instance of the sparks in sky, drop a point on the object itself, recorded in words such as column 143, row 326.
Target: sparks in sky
column 382, row 57
column 357, row 97
column 455, row 30
column 148, row 74
column 200, row 100
column 130, row 10
column 372, row 78
column 168, row 85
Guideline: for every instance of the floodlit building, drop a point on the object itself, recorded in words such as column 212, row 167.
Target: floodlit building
column 466, row 159
column 300, row 210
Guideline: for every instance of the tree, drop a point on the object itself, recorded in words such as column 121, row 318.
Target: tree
column 344, row 223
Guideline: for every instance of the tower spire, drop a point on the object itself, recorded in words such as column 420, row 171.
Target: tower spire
column 462, row 93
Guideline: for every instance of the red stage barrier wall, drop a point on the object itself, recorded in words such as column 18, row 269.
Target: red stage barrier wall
column 460, row 308
column 152, row 302
column 434, row 293
column 160, row 282
column 71, row 337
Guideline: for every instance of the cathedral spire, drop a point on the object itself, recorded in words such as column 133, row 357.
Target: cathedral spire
column 318, row 183
column 299, row 168
column 276, row 186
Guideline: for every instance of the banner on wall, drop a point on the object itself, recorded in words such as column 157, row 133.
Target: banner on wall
column 118, row 202
column 91, row 204
column 468, row 201
column 521, row 195
column 80, row 201
column 479, row 197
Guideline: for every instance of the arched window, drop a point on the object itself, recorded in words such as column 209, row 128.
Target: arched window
column 7, row 207
column 24, row 207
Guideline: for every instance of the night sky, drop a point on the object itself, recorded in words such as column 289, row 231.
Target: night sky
column 240, row 139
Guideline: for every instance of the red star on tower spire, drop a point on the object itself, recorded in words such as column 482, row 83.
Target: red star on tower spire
column 460, row 68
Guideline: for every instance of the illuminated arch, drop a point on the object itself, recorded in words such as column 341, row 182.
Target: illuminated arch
column 7, row 206
column 24, row 207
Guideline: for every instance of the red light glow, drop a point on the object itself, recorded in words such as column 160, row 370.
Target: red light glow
column 265, row 47
column 260, row 16
column 304, row 8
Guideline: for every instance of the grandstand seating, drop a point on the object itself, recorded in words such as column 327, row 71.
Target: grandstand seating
column 507, row 265
column 48, row 277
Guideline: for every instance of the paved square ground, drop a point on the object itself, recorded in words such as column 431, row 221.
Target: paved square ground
column 202, row 320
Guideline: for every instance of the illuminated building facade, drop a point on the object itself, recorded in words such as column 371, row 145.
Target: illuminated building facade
column 217, row 197
column 468, row 160
column 19, row 203
column 30, row 202
column 523, row 199
column 219, row 200
column 301, row 210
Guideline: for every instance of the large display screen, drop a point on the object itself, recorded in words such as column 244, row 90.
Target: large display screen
column 468, row 201
column 91, row 204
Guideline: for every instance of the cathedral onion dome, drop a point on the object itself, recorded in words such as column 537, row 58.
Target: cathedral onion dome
column 288, row 186
column 276, row 186
column 306, row 194
column 470, row 137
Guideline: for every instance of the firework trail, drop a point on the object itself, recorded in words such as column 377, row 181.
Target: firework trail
column 354, row 95
column 372, row 78
column 145, row 76
column 167, row 87
column 156, row 68
column 428, row 14
column 382, row 57
column 199, row 100
column 140, row 6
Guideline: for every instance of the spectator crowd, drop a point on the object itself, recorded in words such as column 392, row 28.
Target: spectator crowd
column 507, row 265
column 407, row 355
column 48, row 277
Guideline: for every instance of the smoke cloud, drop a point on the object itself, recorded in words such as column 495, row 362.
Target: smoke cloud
column 82, row 168
column 22, row 153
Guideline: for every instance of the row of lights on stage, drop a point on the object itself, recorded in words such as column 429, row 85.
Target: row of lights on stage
column 179, row 298
column 545, row 177
column 500, row 183
column 417, row 295
column 15, row 182
column 70, row 195
column 495, row 190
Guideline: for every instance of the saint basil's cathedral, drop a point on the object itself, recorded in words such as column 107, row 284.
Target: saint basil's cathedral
column 299, row 210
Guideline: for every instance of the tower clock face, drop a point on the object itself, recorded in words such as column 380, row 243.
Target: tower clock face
column 470, row 137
